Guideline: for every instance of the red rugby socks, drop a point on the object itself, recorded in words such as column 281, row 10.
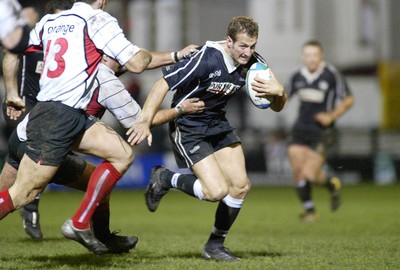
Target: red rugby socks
column 6, row 204
column 102, row 181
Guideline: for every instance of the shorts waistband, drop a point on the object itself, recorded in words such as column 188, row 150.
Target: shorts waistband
column 62, row 106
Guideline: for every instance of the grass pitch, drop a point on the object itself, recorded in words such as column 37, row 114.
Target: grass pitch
column 363, row 234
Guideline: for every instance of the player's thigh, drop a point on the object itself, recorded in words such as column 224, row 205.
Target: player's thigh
column 312, row 167
column 214, row 183
column 102, row 141
column 8, row 176
column 31, row 179
column 232, row 162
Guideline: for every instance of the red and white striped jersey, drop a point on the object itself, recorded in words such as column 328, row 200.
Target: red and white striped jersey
column 10, row 17
column 113, row 96
column 73, row 42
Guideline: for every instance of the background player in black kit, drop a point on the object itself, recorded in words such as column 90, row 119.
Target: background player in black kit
column 206, row 143
column 319, row 86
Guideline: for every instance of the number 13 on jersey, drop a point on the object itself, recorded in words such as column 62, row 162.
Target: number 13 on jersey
column 57, row 66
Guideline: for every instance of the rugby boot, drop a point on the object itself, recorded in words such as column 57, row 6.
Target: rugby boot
column 335, row 186
column 84, row 237
column 156, row 188
column 219, row 253
column 309, row 217
column 31, row 224
column 118, row 244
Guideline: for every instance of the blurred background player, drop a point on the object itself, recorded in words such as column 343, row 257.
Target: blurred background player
column 206, row 143
column 319, row 86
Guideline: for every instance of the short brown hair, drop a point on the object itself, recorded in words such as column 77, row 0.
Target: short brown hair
column 240, row 25
column 314, row 43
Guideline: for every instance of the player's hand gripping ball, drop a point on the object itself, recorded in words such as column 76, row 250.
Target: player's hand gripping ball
column 263, row 71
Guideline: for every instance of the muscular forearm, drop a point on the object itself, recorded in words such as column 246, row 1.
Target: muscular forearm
column 160, row 59
column 153, row 101
column 139, row 62
column 343, row 107
column 279, row 102
column 10, row 73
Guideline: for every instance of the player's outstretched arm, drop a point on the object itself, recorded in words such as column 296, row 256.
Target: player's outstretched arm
column 141, row 130
column 271, row 88
column 15, row 104
column 189, row 106
column 168, row 58
column 139, row 62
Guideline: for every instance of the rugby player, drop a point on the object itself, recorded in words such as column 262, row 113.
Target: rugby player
column 74, row 172
column 73, row 42
column 206, row 143
column 325, row 97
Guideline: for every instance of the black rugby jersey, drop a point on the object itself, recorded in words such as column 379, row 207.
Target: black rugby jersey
column 210, row 75
column 318, row 92
column 30, row 68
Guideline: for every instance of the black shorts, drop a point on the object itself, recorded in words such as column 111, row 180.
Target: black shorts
column 193, row 143
column 70, row 169
column 52, row 130
column 318, row 140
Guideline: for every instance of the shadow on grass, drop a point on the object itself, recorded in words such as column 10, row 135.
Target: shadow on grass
column 43, row 240
column 89, row 260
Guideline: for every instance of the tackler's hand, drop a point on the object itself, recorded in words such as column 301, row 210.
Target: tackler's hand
column 193, row 106
column 139, row 132
column 15, row 106
column 187, row 52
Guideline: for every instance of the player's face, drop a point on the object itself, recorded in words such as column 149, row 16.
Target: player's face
column 242, row 49
column 312, row 57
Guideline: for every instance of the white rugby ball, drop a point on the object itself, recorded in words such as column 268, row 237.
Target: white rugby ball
column 263, row 71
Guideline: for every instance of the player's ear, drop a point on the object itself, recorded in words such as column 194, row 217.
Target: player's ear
column 229, row 42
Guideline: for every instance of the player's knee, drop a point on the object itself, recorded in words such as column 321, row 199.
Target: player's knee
column 123, row 160
column 216, row 194
column 240, row 189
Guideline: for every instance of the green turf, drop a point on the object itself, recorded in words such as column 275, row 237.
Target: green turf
column 364, row 234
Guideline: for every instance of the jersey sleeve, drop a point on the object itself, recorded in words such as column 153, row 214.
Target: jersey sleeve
column 109, row 38
column 342, row 87
column 184, row 73
column 115, row 98
column 35, row 36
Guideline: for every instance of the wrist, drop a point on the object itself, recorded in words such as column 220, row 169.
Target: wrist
column 179, row 109
column 175, row 57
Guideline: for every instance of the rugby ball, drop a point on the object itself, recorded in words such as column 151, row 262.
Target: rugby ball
column 263, row 71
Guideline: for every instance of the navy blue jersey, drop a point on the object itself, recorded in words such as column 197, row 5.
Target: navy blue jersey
column 210, row 75
column 30, row 68
column 318, row 92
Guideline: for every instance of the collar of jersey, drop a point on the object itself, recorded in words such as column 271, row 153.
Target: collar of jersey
column 229, row 63
column 311, row 77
